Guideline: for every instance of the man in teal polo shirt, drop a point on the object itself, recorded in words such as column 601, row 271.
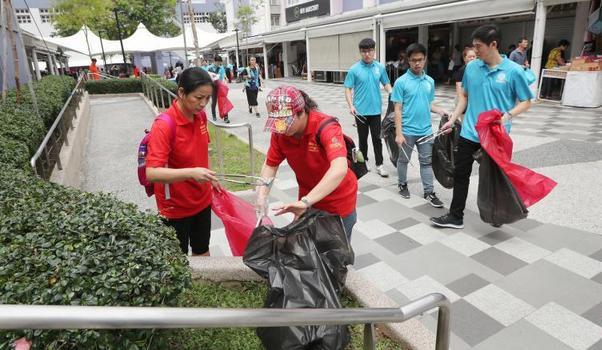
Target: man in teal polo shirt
column 490, row 82
column 364, row 78
column 413, row 94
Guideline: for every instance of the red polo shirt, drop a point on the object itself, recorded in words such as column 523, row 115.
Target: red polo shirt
column 190, row 150
column 310, row 162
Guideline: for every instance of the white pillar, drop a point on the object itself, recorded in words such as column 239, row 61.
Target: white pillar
column 375, row 37
column 308, row 63
column 265, row 62
column 579, row 29
column 50, row 64
column 285, row 45
column 34, row 55
column 368, row 3
column 423, row 35
column 383, row 44
column 56, row 65
column 538, row 37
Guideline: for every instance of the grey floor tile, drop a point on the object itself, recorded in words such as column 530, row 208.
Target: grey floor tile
column 598, row 278
column 521, row 335
column 543, row 282
column 467, row 284
column 597, row 255
column 499, row 261
column 386, row 211
column 365, row 187
column 472, row 325
column 496, row 237
column 362, row 200
column 407, row 222
column 597, row 346
column 216, row 222
column 430, row 211
column 364, row 260
column 397, row 297
column 427, row 260
column 594, row 314
column 553, row 238
column 526, row 224
column 397, row 243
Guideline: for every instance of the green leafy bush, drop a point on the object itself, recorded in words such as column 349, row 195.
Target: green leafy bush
column 114, row 86
column 13, row 153
column 66, row 247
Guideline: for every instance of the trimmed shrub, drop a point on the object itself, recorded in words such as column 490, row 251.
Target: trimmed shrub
column 13, row 153
column 114, row 86
column 66, row 247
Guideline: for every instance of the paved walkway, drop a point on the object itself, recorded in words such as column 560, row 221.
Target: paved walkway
column 536, row 284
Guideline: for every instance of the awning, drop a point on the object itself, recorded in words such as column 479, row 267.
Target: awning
column 293, row 35
column 352, row 26
column 455, row 11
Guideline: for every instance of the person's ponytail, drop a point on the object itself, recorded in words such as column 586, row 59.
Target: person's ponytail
column 309, row 102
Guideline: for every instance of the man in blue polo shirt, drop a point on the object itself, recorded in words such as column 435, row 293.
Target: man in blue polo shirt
column 413, row 94
column 364, row 78
column 490, row 82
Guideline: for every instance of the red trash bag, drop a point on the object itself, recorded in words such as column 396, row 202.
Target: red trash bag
column 238, row 217
column 530, row 186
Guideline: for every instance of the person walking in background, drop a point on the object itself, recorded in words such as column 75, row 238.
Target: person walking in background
column 468, row 55
column 362, row 92
column 94, row 70
column 217, row 68
column 177, row 163
column 413, row 95
column 490, row 82
column 555, row 59
column 519, row 55
column 252, row 75
column 325, row 180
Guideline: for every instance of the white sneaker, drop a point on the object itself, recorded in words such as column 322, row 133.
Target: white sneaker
column 380, row 170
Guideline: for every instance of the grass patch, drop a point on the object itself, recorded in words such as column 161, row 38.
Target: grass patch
column 236, row 157
column 241, row 295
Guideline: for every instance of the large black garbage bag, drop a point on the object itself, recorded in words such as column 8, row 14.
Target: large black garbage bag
column 444, row 147
column 387, row 132
column 497, row 199
column 306, row 266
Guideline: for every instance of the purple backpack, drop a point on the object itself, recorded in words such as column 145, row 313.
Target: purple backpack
column 142, row 152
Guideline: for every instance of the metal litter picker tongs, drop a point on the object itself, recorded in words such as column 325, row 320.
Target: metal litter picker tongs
column 248, row 180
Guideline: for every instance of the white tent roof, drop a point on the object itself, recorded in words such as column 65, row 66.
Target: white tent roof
column 141, row 41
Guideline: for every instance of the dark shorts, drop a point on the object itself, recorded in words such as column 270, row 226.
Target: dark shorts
column 251, row 96
column 194, row 230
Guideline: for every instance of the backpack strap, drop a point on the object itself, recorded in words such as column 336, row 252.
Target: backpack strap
column 322, row 126
column 172, row 126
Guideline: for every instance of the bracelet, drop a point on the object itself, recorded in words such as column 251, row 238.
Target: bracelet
column 306, row 202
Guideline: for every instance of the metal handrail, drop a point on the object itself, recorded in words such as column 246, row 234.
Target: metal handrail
column 58, row 134
column 118, row 317
column 153, row 90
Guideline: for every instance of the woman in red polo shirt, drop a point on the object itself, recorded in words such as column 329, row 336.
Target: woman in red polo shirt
column 325, row 180
column 178, row 163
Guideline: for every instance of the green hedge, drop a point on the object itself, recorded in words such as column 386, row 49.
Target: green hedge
column 114, row 86
column 66, row 247
column 21, row 128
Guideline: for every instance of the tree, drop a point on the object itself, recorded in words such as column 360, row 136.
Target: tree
column 218, row 18
column 156, row 15
column 246, row 18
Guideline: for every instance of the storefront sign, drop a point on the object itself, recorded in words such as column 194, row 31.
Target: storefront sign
column 300, row 9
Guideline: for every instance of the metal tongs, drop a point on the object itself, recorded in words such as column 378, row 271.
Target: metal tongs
column 360, row 117
column 247, row 179
column 432, row 136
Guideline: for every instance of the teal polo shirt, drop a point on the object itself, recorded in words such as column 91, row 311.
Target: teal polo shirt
column 415, row 93
column 497, row 88
column 365, row 80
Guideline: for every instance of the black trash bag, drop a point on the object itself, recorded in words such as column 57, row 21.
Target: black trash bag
column 387, row 132
column 444, row 147
column 497, row 199
column 306, row 266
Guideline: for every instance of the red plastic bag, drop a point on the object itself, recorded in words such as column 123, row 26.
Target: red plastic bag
column 530, row 186
column 223, row 103
column 238, row 217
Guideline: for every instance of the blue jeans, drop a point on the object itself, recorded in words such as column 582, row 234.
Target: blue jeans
column 348, row 222
column 425, row 153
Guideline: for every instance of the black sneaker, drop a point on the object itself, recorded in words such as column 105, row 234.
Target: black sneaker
column 214, row 118
column 448, row 220
column 403, row 191
column 227, row 120
column 257, row 115
column 432, row 198
column 250, row 110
